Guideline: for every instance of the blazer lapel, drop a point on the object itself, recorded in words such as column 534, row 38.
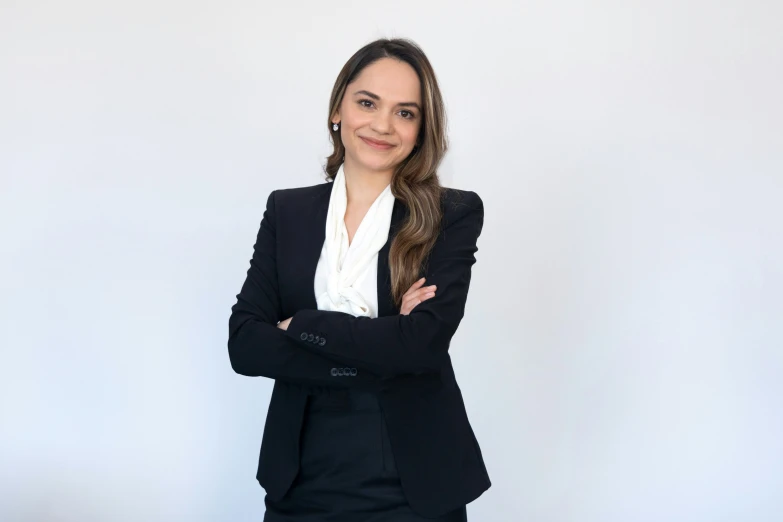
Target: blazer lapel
column 316, row 232
column 311, row 242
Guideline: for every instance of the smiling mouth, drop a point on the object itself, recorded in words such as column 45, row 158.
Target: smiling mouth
column 375, row 144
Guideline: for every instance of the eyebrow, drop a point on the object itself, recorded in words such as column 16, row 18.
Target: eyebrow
column 376, row 97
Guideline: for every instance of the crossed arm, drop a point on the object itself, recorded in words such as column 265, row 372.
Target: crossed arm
column 382, row 347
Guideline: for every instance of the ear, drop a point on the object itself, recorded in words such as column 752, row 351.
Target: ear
column 336, row 117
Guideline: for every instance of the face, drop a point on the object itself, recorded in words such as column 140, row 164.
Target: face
column 383, row 103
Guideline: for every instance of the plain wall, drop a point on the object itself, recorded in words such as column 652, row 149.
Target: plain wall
column 622, row 350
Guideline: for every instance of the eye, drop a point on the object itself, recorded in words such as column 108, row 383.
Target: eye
column 408, row 115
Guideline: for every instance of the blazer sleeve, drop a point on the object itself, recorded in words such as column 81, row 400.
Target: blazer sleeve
column 257, row 347
column 416, row 343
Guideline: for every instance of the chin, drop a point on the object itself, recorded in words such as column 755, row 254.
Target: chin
column 385, row 165
column 375, row 161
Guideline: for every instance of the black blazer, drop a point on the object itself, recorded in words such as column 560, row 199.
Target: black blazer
column 403, row 358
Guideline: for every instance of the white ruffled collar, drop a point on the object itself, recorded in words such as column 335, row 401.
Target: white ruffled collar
column 372, row 234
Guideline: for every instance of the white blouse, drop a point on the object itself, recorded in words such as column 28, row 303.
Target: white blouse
column 366, row 284
column 361, row 255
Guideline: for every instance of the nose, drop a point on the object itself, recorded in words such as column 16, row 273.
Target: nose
column 381, row 123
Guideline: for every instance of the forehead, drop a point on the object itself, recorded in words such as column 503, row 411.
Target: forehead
column 391, row 79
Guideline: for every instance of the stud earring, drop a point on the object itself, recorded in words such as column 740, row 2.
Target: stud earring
column 335, row 126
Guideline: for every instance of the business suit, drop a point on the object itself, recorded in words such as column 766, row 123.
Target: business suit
column 402, row 358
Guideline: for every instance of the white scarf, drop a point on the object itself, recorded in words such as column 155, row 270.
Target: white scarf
column 345, row 264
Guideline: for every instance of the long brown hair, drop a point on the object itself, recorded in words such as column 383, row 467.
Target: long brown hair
column 415, row 180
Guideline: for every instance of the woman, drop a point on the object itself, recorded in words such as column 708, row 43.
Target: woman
column 366, row 420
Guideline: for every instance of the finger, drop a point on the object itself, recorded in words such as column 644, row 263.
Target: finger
column 420, row 291
column 413, row 303
column 410, row 301
column 407, row 300
column 427, row 291
column 417, row 297
column 416, row 285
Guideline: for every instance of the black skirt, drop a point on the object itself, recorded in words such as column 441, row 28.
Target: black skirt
column 346, row 467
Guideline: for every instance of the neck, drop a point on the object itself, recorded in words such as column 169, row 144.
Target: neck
column 363, row 186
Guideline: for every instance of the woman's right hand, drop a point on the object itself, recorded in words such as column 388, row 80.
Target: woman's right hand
column 415, row 295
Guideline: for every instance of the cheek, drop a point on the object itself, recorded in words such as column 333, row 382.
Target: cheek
column 354, row 119
column 410, row 136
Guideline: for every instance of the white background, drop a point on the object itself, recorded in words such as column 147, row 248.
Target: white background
column 622, row 350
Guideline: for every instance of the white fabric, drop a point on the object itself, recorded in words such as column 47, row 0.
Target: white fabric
column 346, row 275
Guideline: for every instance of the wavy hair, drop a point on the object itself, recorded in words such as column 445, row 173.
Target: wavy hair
column 415, row 180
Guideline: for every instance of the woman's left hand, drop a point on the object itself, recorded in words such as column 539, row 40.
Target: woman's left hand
column 283, row 325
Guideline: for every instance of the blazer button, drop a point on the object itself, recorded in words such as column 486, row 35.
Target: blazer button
column 316, row 339
column 303, row 336
column 353, row 372
column 322, row 342
column 310, row 337
column 334, row 372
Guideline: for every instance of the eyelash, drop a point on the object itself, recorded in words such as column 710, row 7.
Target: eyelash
column 412, row 115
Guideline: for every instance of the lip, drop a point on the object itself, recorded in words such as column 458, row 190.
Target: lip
column 381, row 145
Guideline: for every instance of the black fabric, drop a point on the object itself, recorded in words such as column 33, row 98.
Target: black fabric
column 347, row 471
column 403, row 359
